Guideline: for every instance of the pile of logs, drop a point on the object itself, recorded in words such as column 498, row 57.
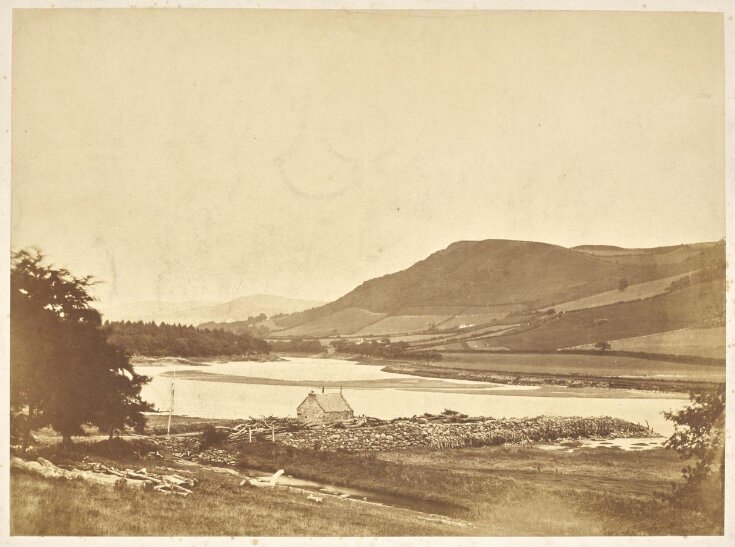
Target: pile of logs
column 264, row 428
column 168, row 484
column 109, row 476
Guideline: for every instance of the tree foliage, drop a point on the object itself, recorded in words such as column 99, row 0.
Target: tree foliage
column 384, row 348
column 699, row 438
column 157, row 340
column 298, row 346
column 604, row 345
column 63, row 372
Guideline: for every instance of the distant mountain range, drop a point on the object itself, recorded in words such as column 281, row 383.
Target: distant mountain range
column 197, row 312
column 507, row 294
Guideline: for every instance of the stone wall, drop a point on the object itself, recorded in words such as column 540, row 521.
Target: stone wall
column 484, row 432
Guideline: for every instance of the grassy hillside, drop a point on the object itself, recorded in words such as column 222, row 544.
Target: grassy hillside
column 703, row 342
column 666, row 312
column 469, row 280
column 345, row 321
column 637, row 291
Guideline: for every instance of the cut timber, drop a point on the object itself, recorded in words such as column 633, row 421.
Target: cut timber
column 109, row 476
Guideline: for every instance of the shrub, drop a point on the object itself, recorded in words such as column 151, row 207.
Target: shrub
column 211, row 436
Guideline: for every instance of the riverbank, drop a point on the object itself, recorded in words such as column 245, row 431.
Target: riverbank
column 145, row 361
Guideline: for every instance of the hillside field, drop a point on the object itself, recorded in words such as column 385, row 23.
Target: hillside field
column 346, row 321
column 395, row 324
column 703, row 342
column 580, row 365
column 670, row 311
column 637, row 291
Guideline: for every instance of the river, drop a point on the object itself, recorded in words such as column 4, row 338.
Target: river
column 242, row 389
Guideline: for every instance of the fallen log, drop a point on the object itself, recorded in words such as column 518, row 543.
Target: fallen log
column 136, row 476
column 109, row 476
column 112, row 471
column 178, row 481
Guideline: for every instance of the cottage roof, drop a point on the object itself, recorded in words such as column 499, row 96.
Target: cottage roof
column 331, row 402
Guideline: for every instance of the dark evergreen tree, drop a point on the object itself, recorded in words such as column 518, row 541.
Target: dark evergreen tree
column 63, row 372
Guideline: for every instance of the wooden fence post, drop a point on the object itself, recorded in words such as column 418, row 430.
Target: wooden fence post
column 250, row 434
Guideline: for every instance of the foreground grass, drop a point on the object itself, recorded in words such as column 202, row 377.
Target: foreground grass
column 502, row 491
column 219, row 507
column 514, row 490
column 592, row 491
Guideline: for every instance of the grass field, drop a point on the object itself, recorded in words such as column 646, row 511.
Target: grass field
column 580, row 364
column 505, row 491
column 395, row 324
column 705, row 342
column 481, row 333
column 346, row 321
column 218, row 508
column 636, row 291
column 483, row 344
column 472, row 319
column 671, row 311
column 428, row 310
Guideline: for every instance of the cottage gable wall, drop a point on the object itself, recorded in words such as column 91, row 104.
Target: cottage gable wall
column 309, row 410
column 312, row 409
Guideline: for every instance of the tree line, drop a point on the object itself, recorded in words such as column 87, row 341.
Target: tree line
column 298, row 346
column 158, row 340
column 384, row 349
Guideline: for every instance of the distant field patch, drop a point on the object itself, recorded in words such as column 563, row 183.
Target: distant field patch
column 637, row 291
column 472, row 320
column 345, row 321
column 709, row 342
column 614, row 252
column 469, row 334
column 413, row 338
column 675, row 310
column 428, row 310
column 485, row 344
column 396, row 324
column 452, row 346
column 593, row 365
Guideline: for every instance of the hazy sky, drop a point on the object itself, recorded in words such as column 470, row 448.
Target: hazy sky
column 189, row 154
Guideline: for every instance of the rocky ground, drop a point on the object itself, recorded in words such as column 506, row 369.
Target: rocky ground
column 421, row 432
column 447, row 430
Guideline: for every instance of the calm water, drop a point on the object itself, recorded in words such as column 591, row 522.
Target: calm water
column 393, row 398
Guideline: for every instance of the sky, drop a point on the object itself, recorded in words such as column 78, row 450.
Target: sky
column 207, row 154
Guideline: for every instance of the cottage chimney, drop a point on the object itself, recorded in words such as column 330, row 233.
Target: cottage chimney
column 322, row 389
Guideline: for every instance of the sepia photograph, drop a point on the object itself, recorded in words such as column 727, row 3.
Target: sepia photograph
column 278, row 271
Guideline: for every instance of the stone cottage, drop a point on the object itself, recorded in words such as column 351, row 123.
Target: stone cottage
column 324, row 407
